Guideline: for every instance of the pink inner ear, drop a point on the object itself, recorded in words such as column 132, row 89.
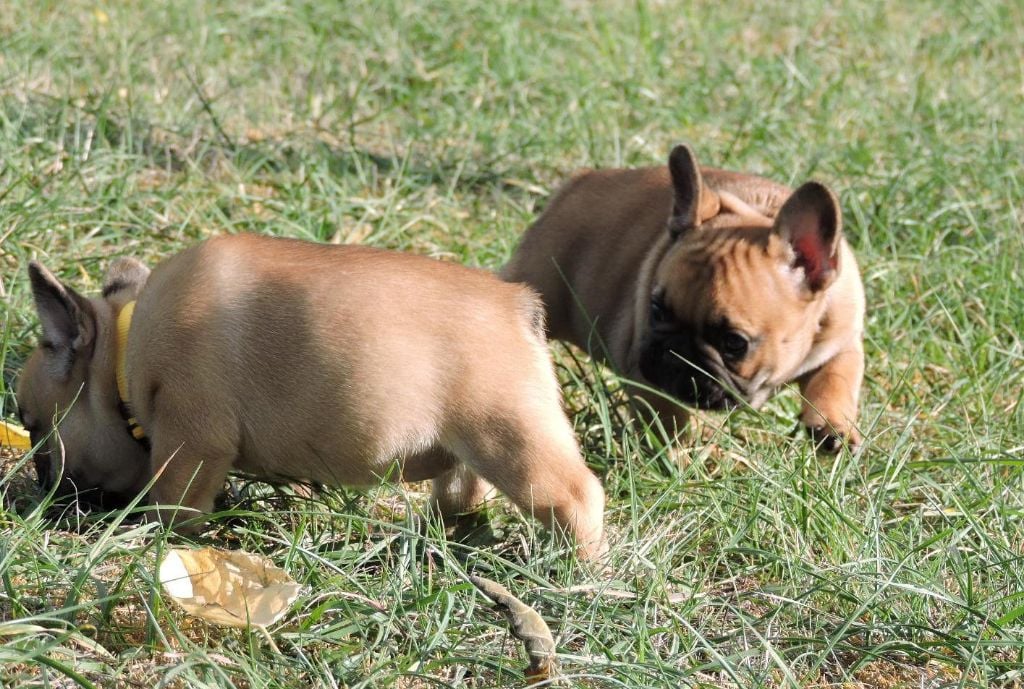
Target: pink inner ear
column 811, row 255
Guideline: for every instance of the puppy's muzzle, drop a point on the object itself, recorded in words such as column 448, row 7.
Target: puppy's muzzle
column 676, row 365
column 72, row 489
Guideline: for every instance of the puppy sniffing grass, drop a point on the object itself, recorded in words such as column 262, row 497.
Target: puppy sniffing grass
column 291, row 360
column 713, row 286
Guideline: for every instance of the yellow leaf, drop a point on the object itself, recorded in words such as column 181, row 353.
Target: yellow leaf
column 228, row 587
column 14, row 436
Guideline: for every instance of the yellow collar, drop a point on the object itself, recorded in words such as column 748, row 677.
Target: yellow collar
column 124, row 323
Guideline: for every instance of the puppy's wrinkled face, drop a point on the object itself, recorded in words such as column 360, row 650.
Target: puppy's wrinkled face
column 734, row 309
column 68, row 402
column 729, row 319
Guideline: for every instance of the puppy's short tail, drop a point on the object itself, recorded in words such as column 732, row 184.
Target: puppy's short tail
column 531, row 310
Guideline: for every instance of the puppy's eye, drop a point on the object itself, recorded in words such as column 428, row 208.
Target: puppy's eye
column 734, row 344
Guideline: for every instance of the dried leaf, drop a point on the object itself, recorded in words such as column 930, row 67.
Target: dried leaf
column 527, row 625
column 228, row 587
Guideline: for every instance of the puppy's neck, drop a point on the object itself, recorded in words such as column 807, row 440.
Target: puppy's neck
column 645, row 282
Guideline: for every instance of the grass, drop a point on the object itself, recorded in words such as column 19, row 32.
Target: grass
column 137, row 128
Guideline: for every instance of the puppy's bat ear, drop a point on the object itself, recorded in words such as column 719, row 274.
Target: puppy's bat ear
column 125, row 279
column 692, row 202
column 811, row 224
column 68, row 320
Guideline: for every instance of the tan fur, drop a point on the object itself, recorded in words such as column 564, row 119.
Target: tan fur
column 601, row 249
column 337, row 364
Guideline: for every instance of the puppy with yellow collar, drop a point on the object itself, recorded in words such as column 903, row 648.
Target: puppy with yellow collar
column 284, row 359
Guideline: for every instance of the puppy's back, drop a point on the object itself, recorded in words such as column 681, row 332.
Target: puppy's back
column 226, row 276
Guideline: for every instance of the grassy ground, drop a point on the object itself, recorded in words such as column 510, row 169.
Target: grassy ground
column 441, row 128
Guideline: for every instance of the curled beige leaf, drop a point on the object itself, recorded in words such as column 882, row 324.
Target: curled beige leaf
column 228, row 587
column 527, row 625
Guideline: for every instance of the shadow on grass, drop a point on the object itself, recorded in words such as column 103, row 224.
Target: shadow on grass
column 76, row 129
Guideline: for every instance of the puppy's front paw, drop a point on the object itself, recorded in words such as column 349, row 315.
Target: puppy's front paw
column 830, row 440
